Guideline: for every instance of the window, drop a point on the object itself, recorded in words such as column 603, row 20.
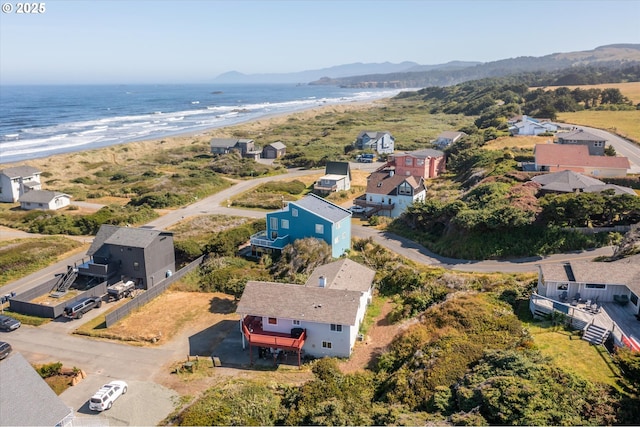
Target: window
column 420, row 162
column 336, row 328
column 337, row 240
column 326, row 344
column 598, row 144
column 595, row 286
column 284, row 224
column 563, row 286
column 274, row 223
column 634, row 299
column 296, row 322
column 319, row 229
column 273, row 321
column 294, row 212
column 408, row 161
column 404, row 189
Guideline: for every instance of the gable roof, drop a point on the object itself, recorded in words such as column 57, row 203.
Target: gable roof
column 323, row 208
column 25, row 399
column 278, row 145
column 338, row 168
column 19, row 171
column 375, row 135
column 343, row 274
column 575, row 156
column 382, row 182
column 124, row 236
column 41, row 196
column 298, row 302
column 228, row 142
column 578, row 135
column 625, row 271
column 450, row 134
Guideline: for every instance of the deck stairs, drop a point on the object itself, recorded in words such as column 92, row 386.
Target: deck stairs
column 595, row 334
column 64, row 282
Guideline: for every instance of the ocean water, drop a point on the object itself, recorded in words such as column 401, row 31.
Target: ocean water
column 38, row 121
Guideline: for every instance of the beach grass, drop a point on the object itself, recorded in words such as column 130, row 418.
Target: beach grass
column 623, row 123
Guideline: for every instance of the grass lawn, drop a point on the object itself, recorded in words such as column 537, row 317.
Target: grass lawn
column 623, row 123
column 631, row 90
column 573, row 354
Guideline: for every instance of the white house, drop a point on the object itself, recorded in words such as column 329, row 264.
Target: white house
column 320, row 318
column 16, row 181
column 390, row 193
column 380, row 142
column 447, row 138
column 337, row 178
column 531, row 126
column 44, row 200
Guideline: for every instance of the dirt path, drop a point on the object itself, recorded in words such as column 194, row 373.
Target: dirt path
column 378, row 338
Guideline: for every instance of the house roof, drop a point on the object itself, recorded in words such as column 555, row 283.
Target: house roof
column 625, row 271
column 41, row 196
column 322, row 208
column 338, row 168
column 562, row 155
column 565, row 181
column 578, row 135
column 450, row 134
column 382, row 182
column 19, row 171
column 375, row 135
column 228, row 142
column 123, row 236
column 25, row 399
column 423, row 154
column 278, row 145
column 297, row 302
column 617, row 189
column 343, row 274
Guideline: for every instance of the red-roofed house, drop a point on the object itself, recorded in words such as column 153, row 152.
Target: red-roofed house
column 559, row 157
column 389, row 193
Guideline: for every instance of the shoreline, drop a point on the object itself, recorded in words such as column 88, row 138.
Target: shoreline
column 142, row 147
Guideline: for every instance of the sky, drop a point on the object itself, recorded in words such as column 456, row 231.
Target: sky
column 182, row 41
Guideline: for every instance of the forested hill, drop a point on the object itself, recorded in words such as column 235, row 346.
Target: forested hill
column 604, row 57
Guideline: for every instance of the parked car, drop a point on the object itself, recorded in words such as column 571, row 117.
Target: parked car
column 103, row 399
column 357, row 209
column 8, row 323
column 5, row 349
column 77, row 309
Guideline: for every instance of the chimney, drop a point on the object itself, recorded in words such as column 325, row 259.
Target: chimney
column 391, row 172
column 322, row 282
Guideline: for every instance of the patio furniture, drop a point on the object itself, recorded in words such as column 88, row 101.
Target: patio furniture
column 563, row 296
column 621, row 299
column 577, row 297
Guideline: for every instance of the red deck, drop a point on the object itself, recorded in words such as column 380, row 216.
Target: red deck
column 256, row 336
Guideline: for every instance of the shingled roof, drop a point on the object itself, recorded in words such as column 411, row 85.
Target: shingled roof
column 298, row 302
column 343, row 274
column 383, row 182
column 123, row 236
column 559, row 155
column 625, row 271
column 19, row 171
column 322, row 208
column 40, row 196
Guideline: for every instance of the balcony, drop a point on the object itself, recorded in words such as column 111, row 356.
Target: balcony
column 256, row 336
column 262, row 240
column 319, row 187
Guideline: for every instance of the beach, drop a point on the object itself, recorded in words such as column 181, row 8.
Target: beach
column 61, row 169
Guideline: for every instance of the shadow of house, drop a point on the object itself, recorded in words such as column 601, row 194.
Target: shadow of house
column 143, row 255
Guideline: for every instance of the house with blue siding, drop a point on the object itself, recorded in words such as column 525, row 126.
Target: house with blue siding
column 311, row 216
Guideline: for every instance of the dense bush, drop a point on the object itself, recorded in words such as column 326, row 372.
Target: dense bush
column 300, row 258
column 227, row 242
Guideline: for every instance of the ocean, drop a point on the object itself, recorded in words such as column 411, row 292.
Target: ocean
column 38, row 121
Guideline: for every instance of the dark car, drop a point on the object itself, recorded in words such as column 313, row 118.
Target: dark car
column 8, row 323
column 77, row 309
column 5, row 349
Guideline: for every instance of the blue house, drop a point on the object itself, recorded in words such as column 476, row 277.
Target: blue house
column 311, row 216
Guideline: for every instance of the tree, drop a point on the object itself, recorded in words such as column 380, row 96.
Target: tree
column 300, row 258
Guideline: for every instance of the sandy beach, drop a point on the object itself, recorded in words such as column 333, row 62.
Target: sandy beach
column 63, row 168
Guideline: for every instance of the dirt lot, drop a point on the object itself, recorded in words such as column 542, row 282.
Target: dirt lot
column 193, row 312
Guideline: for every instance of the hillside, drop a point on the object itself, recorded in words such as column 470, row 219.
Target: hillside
column 609, row 57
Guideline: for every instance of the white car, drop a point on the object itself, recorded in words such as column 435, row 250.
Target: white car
column 357, row 209
column 103, row 399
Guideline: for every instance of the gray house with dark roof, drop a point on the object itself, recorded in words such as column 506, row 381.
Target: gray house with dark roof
column 320, row 318
column 16, row 181
column 595, row 143
column 246, row 147
column 26, row 400
column 143, row 255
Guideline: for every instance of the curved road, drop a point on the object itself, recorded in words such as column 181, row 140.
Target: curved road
column 622, row 146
